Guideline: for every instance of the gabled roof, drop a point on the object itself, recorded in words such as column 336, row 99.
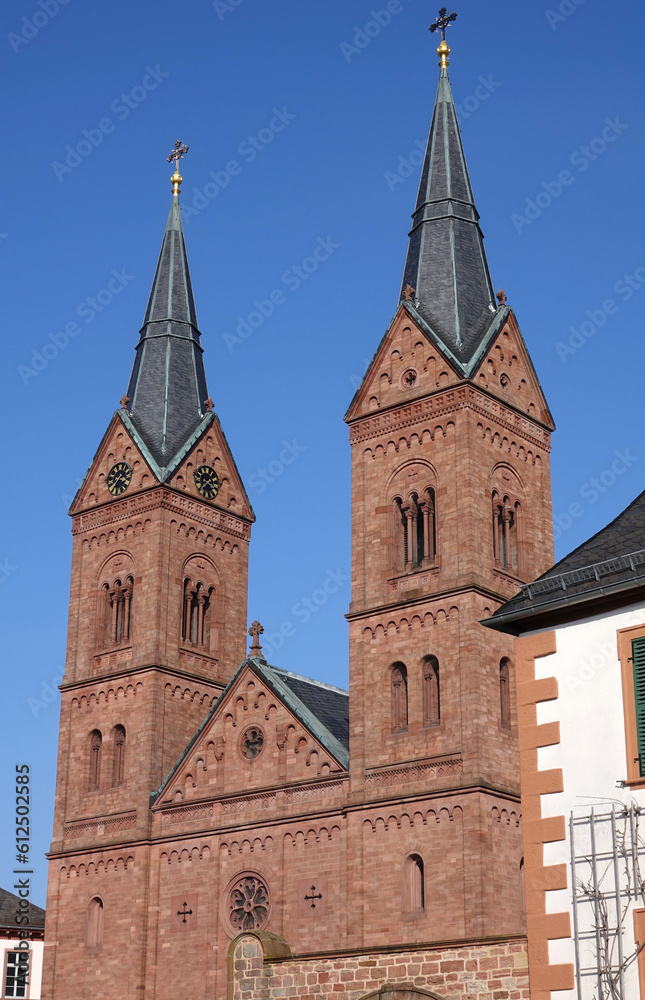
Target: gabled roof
column 446, row 263
column 321, row 708
column 607, row 566
column 9, row 905
column 167, row 389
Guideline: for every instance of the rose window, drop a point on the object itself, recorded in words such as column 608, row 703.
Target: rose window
column 252, row 743
column 249, row 904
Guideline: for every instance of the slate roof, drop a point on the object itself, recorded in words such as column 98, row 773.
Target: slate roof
column 609, row 564
column 9, row 907
column 167, row 388
column 322, row 709
column 446, row 262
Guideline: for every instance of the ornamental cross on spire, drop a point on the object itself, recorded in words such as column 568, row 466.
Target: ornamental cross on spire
column 443, row 21
column 177, row 153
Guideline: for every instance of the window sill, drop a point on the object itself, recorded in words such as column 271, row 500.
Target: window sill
column 634, row 782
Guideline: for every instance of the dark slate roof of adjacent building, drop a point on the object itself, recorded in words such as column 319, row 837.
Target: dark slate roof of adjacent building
column 606, row 567
column 322, row 709
column 446, row 263
column 9, row 908
column 167, row 389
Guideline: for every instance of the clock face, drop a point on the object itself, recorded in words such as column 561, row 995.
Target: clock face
column 207, row 482
column 119, row 478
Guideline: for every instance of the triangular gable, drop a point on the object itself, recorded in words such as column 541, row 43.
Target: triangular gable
column 504, row 367
column 117, row 445
column 296, row 745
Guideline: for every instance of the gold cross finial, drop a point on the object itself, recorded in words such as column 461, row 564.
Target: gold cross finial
column 178, row 152
column 443, row 21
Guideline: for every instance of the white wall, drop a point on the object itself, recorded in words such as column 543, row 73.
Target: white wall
column 591, row 752
column 36, row 971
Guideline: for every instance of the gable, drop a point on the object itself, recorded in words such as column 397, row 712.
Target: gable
column 212, row 449
column 406, row 366
column 258, row 735
column 118, row 445
column 506, row 370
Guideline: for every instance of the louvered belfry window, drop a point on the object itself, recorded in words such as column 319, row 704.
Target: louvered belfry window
column 638, row 659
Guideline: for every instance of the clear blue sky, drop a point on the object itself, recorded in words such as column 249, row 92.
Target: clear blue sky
column 534, row 88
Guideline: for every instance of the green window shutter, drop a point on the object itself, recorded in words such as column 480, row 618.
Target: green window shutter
column 638, row 659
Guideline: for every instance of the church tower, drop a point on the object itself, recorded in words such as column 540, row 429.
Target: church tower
column 157, row 621
column 451, row 513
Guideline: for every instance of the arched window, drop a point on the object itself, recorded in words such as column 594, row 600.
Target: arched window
column 94, row 923
column 505, row 693
column 415, row 529
column 505, row 545
column 431, row 702
column 413, row 886
column 96, row 741
column 197, row 614
column 118, row 761
column 399, row 683
column 117, row 599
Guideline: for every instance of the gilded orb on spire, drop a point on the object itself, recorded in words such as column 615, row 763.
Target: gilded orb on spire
column 178, row 152
column 443, row 21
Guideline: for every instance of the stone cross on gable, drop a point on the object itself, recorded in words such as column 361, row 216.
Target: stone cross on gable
column 255, row 632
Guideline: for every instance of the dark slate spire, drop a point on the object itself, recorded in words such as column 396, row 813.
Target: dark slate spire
column 446, row 264
column 167, row 391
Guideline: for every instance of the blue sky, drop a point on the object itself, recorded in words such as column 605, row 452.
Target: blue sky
column 304, row 123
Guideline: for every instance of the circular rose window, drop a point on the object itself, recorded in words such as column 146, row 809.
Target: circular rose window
column 409, row 378
column 252, row 743
column 246, row 904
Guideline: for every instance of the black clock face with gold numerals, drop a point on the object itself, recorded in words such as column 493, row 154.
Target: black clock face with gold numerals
column 119, row 478
column 207, row 482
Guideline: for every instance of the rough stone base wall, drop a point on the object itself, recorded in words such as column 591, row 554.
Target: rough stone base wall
column 261, row 969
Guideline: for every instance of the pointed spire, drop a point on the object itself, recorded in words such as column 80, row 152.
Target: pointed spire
column 446, row 265
column 167, row 393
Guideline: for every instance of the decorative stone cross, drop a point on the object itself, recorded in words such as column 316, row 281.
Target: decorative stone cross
column 501, row 297
column 184, row 913
column 124, row 402
column 177, row 153
column 313, row 897
column 255, row 632
column 408, row 293
column 209, row 405
column 443, row 21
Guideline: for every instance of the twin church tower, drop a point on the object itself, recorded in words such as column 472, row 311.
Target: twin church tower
column 364, row 839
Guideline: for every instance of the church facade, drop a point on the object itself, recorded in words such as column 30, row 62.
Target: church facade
column 225, row 828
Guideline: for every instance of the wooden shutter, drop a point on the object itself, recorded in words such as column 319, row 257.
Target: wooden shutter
column 638, row 659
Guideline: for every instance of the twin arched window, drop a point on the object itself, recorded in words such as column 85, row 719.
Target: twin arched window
column 196, row 620
column 117, row 611
column 415, row 527
column 430, row 694
column 505, row 534
column 118, row 758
